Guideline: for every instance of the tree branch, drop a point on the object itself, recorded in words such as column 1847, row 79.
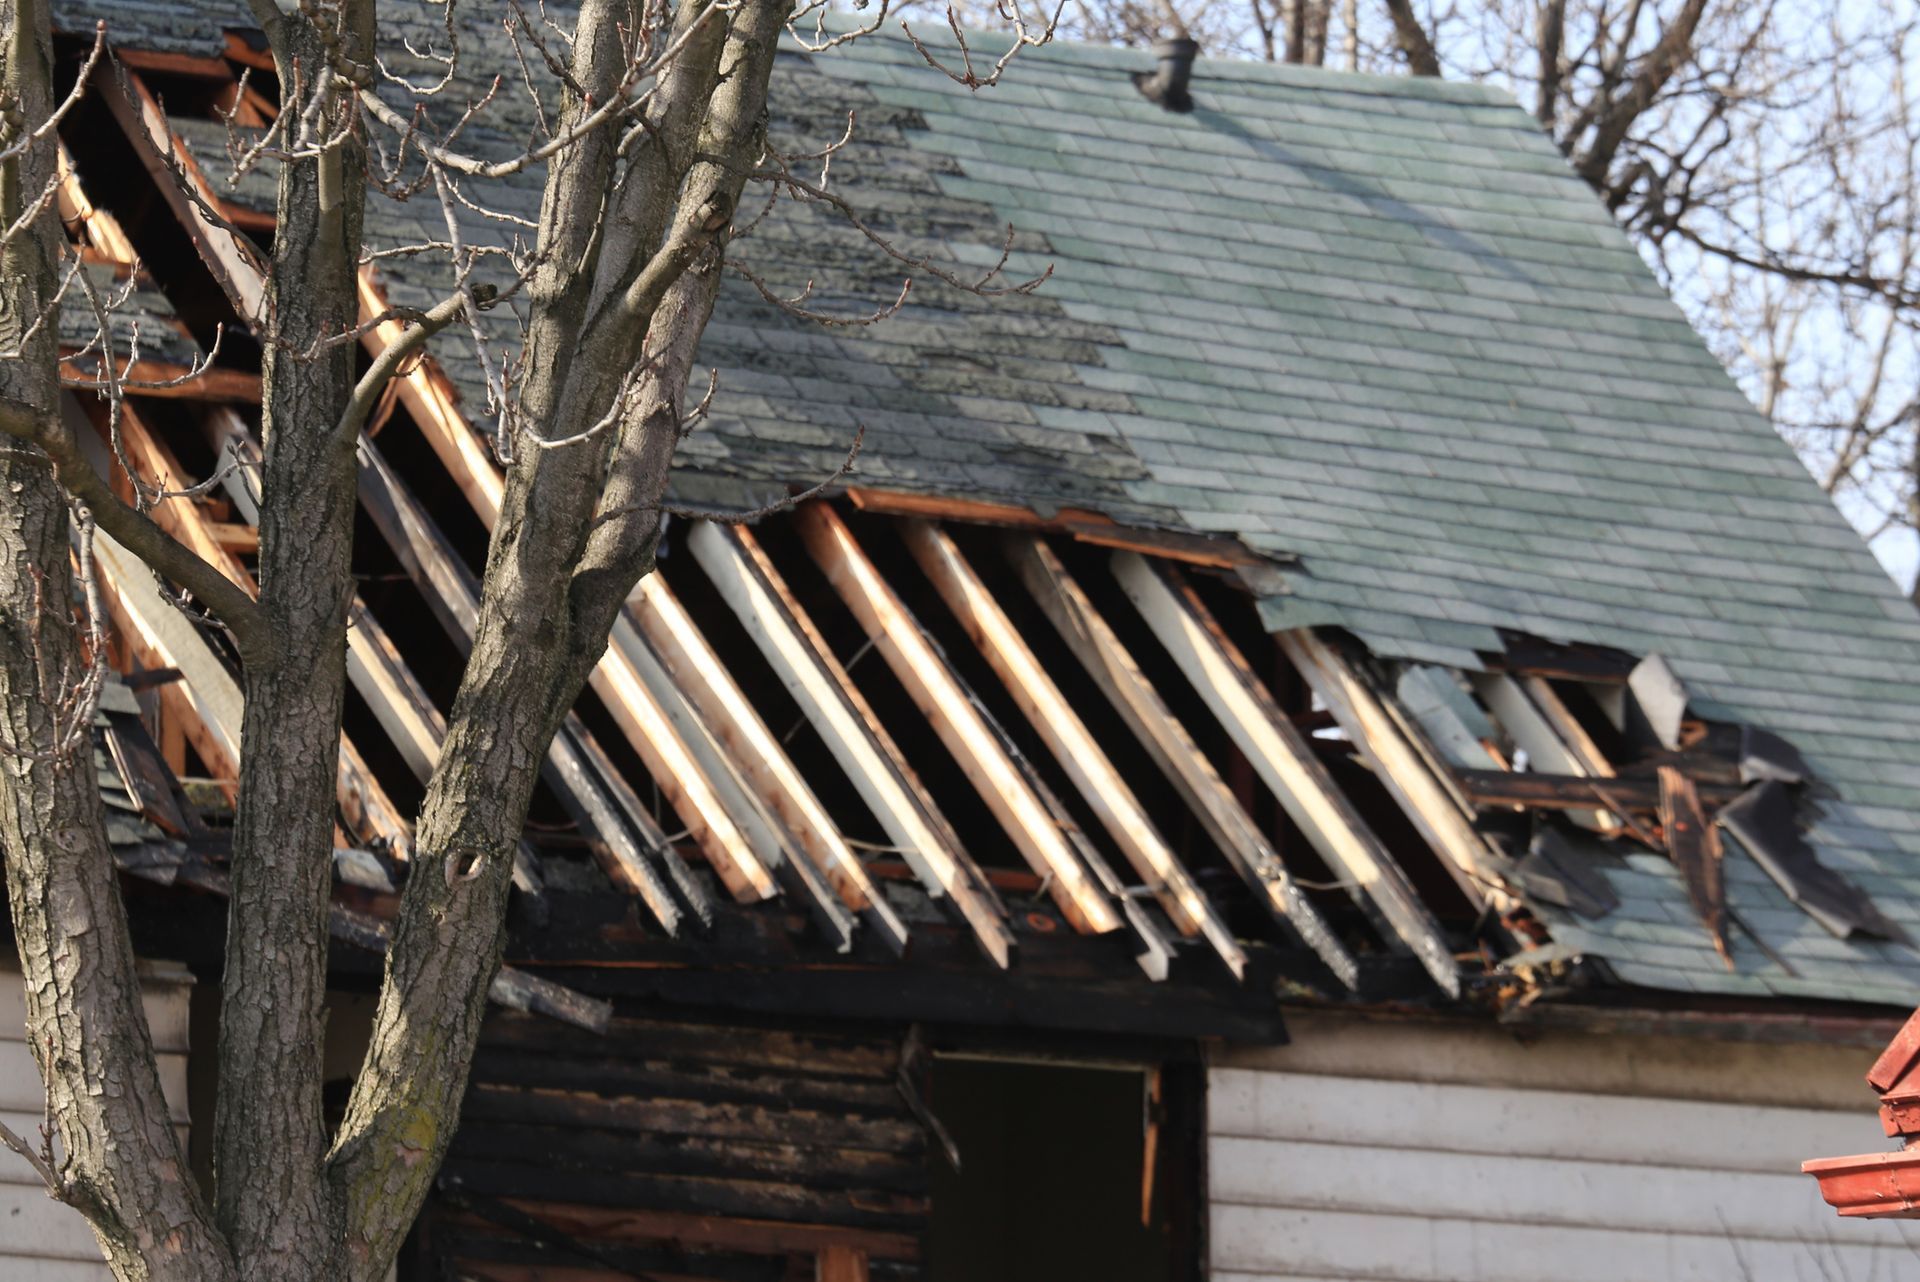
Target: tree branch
column 366, row 393
column 134, row 529
column 1414, row 43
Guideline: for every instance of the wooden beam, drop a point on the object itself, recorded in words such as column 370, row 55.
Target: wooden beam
column 770, row 1237
column 1693, row 841
column 1578, row 742
column 786, row 637
column 698, row 672
column 1088, row 527
column 839, row 1263
column 161, row 637
column 1387, row 744
column 452, row 594
column 771, row 846
column 1107, row 659
column 430, row 401
column 198, row 66
column 636, row 877
column 363, row 802
column 1530, row 728
column 1593, row 665
column 1284, row 759
column 379, row 675
column 1003, row 782
column 100, row 229
column 1073, row 745
column 1534, row 791
column 145, row 125
column 945, row 508
column 168, row 381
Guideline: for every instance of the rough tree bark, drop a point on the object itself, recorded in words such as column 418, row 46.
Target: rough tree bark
column 272, row 1199
column 119, row 1161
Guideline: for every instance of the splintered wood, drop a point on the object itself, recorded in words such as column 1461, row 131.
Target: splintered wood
column 1694, row 844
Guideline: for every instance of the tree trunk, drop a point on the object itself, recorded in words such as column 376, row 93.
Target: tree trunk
column 544, row 619
column 120, row 1163
column 272, row 1199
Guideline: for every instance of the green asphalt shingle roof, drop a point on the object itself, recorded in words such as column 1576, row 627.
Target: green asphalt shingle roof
column 1373, row 324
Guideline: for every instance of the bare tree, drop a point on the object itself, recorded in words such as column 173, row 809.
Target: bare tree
column 1762, row 155
column 652, row 129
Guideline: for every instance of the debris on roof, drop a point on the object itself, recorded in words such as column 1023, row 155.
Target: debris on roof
column 1765, row 821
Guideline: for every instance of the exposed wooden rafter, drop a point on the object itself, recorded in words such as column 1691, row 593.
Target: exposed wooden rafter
column 364, row 805
column 1003, row 781
column 771, row 845
column 1533, row 727
column 1073, row 745
column 1107, row 659
column 749, row 584
column 1410, row 774
column 145, row 124
column 698, row 672
column 1285, row 760
column 1216, row 552
column 616, row 679
column 449, row 588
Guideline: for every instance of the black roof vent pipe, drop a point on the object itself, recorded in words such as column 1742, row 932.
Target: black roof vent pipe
column 1168, row 85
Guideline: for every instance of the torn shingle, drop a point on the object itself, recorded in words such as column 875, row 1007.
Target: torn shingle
column 1765, row 822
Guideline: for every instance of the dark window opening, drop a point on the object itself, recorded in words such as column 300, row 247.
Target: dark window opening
column 1053, row 1181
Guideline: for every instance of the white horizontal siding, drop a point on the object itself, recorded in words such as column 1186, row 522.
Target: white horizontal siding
column 1504, row 1119
column 41, row 1240
column 1324, row 1171
column 1273, row 1242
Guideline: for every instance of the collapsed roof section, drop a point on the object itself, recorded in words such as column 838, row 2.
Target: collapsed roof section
column 1371, row 329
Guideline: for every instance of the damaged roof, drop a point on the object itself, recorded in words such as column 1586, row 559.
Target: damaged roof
column 1373, row 328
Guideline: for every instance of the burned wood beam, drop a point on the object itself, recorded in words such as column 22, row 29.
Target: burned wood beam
column 379, row 674
column 698, row 672
column 786, row 637
column 449, row 588
column 1401, row 759
column 1529, row 657
column 145, row 125
column 769, row 845
column 1542, row 736
column 1073, row 745
column 1492, row 788
column 210, row 699
column 771, row 1237
column 206, row 705
column 1003, row 782
column 1227, row 823
column 147, row 779
column 1694, row 845
column 615, row 679
column 514, row 989
column 1285, row 760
